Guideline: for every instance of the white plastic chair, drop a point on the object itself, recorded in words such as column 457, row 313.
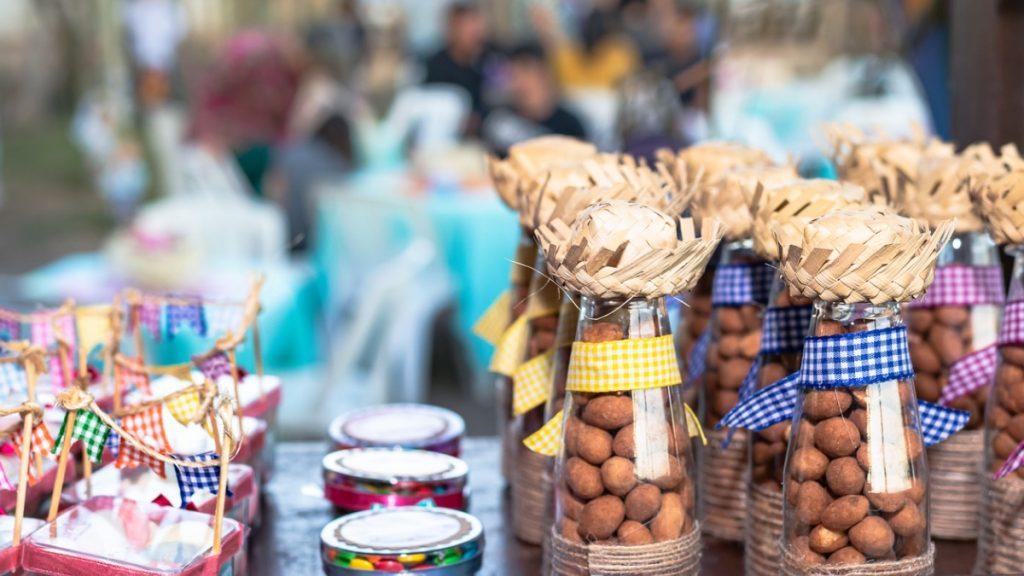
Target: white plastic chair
column 379, row 338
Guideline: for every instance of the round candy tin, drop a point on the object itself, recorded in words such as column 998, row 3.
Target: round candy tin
column 411, row 426
column 361, row 478
column 410, row 539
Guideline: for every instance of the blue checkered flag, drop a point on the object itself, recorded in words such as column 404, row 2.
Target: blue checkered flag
column 114, row 441
column 192, row 480
column 940, row 422
column 13, row 379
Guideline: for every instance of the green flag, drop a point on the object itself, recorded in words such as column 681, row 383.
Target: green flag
column 90, row 430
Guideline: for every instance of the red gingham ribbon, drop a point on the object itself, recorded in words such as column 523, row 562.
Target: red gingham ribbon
column 149, row 427
column 959, row 285
column 970, row 373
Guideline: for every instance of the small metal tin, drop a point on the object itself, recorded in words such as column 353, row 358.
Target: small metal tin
column 409, row 539
column 409, row 426
column 361, row 478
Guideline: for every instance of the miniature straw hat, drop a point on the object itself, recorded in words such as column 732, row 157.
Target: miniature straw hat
column 885, row 167
column 783, row 210
column 729, row 197
column 715, row 158
column 528, row 159
column 999, row 193
column 625, row 249
column 944, row 191
column 862, row 255
column 563, row 192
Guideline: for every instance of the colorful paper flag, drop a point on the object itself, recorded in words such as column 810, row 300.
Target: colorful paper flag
column 149, row 318
column 41, row 443
column 215, row 366
column 5, row 481
column 90, row 430
column 93, row 323
column 184, row 406
column 147, row 426
column 131, row 380
column 192, row 480
column 13, row 380
column 181, row 316
column 10, row 329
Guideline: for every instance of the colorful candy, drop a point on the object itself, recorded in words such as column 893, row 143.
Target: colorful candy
column 361, row 478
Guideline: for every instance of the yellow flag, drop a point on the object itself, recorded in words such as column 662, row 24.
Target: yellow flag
column 93, row 323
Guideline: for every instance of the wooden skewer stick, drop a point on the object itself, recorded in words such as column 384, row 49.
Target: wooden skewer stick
column 62, row 463
column 25, row 456
column 257, row 352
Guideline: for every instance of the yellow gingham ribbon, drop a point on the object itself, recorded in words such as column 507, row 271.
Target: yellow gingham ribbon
column 495, row 320
column 510, row 349
column 530, row 383
column 184, row 407
column 631, row 364
column 548, row 440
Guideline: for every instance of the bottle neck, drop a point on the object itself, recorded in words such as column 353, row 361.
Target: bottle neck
column 865, row 316
column 739, row 252
column 969, row 249
column 637, row 317
column 1016, row 292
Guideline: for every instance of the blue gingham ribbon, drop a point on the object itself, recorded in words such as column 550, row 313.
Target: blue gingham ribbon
column 844, row 361
column 192, row 480
column 739, row 284
column 783, row 330
column 697, row 361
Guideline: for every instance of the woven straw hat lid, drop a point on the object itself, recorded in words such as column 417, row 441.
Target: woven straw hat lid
column 563, row 192
column 619, row 249
column 530, row 158
column 944, row 190
column 783, row 210
column 885, row 167
column 999, row 192
column 863, row 255
column 729, row 196
column 714, row 158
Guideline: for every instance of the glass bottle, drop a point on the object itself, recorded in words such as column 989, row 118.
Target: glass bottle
column 624, row 475
column 856, row 479
column 694, row 315
column 1002, row 514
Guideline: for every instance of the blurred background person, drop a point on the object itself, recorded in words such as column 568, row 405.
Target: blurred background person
column 535, row 105
column 599, row 56
column 462, row 60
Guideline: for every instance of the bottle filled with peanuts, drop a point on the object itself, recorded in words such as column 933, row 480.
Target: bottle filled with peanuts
column 855, row 476
column 624, row 476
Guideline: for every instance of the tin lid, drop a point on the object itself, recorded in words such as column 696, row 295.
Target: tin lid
column 404, row 530
column 395, row 465
column 396, row 425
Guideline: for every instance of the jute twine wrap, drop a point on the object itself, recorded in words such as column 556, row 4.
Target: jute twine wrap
column 723, row 485
column 565, row 191
column 1000, row 549
column 529, row 159
column 923, row 565
column 624, row 249
column 885, row 167
column 789, row 207
column 529, row 496
column 763, row 531
column 999, row 193
column 679, row 557
column 728, row 197
column 953, row 479
column 862, row 255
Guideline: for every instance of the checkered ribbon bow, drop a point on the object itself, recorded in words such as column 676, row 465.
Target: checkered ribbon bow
column 1012, row 333
column 959, row 285
column 530, row 383
column 90, row 430
column 844, row 361
column 739, row 284
column 192, row 480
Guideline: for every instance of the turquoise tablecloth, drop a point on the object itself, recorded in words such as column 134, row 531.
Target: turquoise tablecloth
column 474, row 233
column 289, row 323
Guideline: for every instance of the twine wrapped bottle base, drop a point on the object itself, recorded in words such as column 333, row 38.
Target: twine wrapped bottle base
column 679, row 557
column 763, row 531
column 923, row 565
column 953, row 468
column 1000, row 549
column 723, row 481
column 509, row 452
column 529, row 497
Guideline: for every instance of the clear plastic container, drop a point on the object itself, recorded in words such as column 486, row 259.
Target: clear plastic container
column 624, row 475
column 856, row 478
column 117, row 536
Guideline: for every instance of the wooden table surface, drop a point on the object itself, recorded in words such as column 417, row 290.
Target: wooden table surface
column 287, row 544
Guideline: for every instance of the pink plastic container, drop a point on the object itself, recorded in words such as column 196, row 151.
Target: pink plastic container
column 36, row 493
column 116, row 537
column 10, row 555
